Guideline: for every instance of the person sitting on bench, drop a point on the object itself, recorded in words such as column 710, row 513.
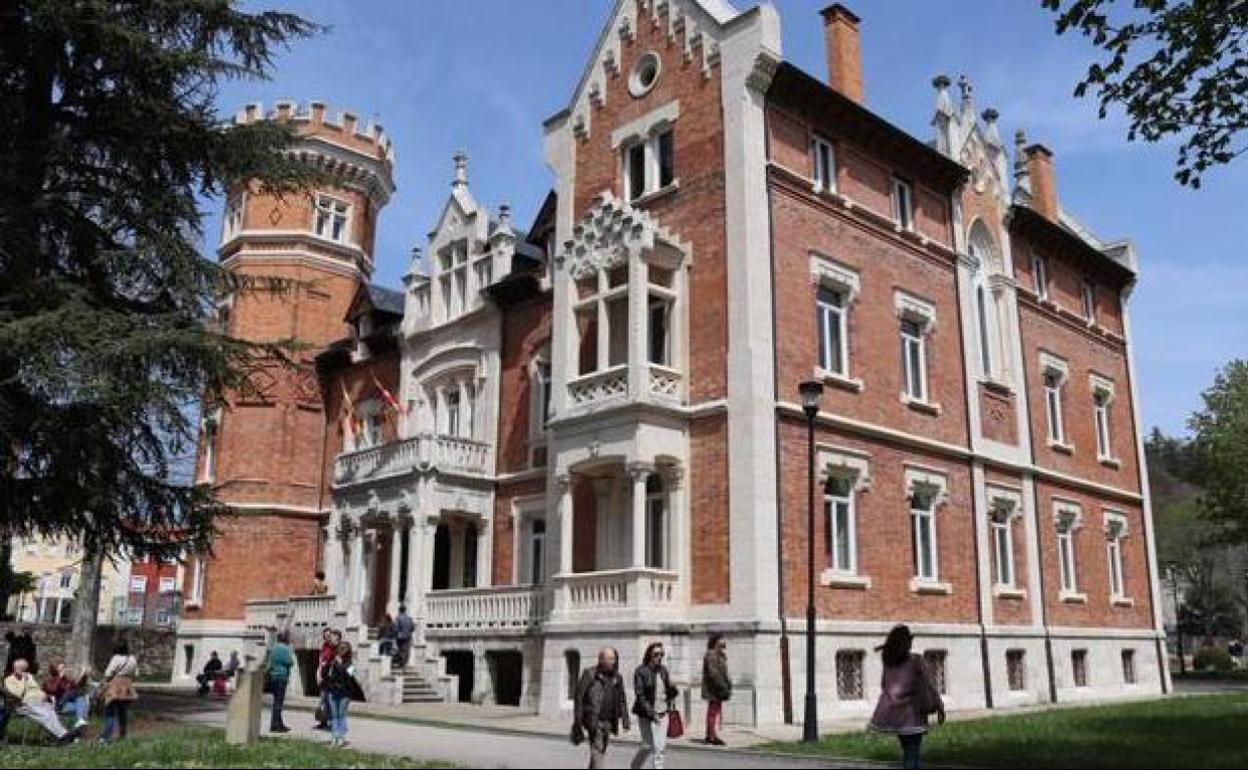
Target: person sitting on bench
column 32, row 703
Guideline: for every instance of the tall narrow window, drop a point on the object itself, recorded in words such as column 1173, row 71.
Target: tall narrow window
column 635, row 170
column 470, row 411
column 830, row 324
column 849, row 674
column 451, row 399
column 210, row 451
column 935, row 661
column 543, row 370
column 331, row 218
column 1040, row 275
column 840, row 525
column 913, row 360
column 1003, row 548
column 923, row 533
column 537, row 551
column 1053, row 371
column 1089, row 301
column 658, row 328
column 1066, row 552
column 1115, row 530
column 824, row 164
column 232, row 223
column 1100, row 406
column 656, row 524
column 985, row 341
column 1016, row 669
column 1128, row 666
column 665, row 150
column 903, row 204
column 471, row 541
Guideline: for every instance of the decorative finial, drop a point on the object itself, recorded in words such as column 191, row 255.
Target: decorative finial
column 504, row 215
column 461, row 170
column 941, row 84
column 964, row 86
column 990, row 117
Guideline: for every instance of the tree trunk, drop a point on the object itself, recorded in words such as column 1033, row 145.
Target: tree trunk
column 81, row 649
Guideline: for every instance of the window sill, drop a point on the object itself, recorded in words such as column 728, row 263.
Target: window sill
column 924, row 407
column 1009, row 592
column 1072, row 597
column 1110, row 462
column 1122, row 601
column 654, row 195
column 852, row 384
column 997, row 385
column 930, row 587
column 1061, row 447
column 834, row 579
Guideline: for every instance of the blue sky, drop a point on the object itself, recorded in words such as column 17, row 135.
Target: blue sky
column 482, row 74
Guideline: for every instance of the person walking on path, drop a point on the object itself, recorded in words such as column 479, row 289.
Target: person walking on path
column 330, row 639
column 32, row 703
column 69, row 695
column 647, row 679
column 716, row 685
column 907, row 695
column 281, row 661
column 601, row 704
column 404, row 630
column 338, row 681
column 118, row 691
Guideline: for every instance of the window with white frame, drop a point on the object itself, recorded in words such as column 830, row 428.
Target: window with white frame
column 831, row 322
column 67, row 578
column 1054, row 372
column 926, row 491
column 649, row 164
column 918, row 319
column 539, row 409
column 1067, row 522
column 537, row 550
column 138, row 584
column 823, row 162
column 197, row 582
column 601, row 312
column 331, row 218
column 1040, row 275
column 1001, row 519
column 167, row 585
column 662, row 298
column 452, row 402
column 1079, row 667
column 986, row 260
column 1102, row 398
column 1115, row 532
column 903, row 203
column 656, row 523
column 840, row 524
column 453, row 280
column 1088, row 294
column 232, row 221
column 208, row 471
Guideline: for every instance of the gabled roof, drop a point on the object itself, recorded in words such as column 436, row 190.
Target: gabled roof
column 376, row 299
column 1116, row 259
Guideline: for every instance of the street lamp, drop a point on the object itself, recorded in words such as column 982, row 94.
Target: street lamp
column 811, row 390
column 1178, row 618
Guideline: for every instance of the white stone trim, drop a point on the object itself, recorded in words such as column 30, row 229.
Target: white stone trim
column 1101, row 384
column 910, row 307
column 833, row 274
column 643, row 127
column 846, row 462
column 1052, row 364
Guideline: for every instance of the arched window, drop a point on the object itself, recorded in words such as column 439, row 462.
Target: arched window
column 987, row 316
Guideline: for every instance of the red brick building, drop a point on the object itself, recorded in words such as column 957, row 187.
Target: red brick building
column 591, row 432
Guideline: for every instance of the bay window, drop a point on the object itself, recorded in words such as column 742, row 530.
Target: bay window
column 330, row 219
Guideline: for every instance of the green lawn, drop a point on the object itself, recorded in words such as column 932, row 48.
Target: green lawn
column 199, row 747
column 1199, row 731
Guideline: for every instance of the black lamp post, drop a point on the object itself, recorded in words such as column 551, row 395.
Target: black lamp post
column 1178, row 618
column 811, row 390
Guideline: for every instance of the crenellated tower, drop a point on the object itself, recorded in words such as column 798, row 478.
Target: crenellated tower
column 299, row 259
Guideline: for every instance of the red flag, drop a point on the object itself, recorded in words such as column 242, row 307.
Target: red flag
column 388, row 396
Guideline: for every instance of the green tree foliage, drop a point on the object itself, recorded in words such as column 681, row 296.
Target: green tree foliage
column 109, row 135
column 1221, row 440
column 1177, row 68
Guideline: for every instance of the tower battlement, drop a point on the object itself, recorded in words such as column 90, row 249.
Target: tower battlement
column 315, row 118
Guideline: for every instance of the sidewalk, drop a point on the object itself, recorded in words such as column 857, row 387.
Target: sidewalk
column 495, row 742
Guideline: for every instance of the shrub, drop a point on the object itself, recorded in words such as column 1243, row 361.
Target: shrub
column 1214, row 658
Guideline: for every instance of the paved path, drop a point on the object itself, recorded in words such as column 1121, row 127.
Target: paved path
column 477, row 747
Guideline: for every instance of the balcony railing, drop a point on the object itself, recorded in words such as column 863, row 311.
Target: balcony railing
column 611, row 593
column 599, row 386
column 499, row 607
column 445, row 453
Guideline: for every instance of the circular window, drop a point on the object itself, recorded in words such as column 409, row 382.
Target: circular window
column 645, row 74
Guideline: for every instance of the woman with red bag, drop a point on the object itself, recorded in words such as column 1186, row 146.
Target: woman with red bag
column 656, row 727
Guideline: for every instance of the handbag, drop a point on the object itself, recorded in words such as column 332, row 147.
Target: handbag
column 675, row 725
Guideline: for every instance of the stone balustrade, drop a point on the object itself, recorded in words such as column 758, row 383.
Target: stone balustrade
column 424, row 452
column 499, row 607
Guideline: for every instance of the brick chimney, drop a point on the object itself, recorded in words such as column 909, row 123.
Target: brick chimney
column 844, row 50
column 1043, row 187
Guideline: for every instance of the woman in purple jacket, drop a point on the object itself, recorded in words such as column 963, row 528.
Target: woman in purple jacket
column 907, row 695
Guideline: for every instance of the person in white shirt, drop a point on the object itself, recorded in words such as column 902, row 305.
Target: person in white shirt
column 33, row 703
column 118, row 691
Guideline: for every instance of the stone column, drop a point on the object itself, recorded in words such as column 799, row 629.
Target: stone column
column 355, row 571
column 411, row 586
column 430, row 528
column 333, row 562
column 678, row 522
column 639, row 473
column 563, row 488
column 396, row 553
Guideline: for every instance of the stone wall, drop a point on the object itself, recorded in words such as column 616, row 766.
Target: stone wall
column 152, row 646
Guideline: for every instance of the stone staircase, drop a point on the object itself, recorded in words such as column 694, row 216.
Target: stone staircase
column 423, row 680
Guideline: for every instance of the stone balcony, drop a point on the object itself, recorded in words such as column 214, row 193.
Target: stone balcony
column 426, row 452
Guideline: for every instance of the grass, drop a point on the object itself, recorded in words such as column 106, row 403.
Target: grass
column 1191, row 732
column 199, row 747
column 1211, row 675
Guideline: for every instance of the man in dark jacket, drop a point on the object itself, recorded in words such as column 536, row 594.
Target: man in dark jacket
column 716, row 685
column 212, row 669
column 601, row 704
column 404, row 629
